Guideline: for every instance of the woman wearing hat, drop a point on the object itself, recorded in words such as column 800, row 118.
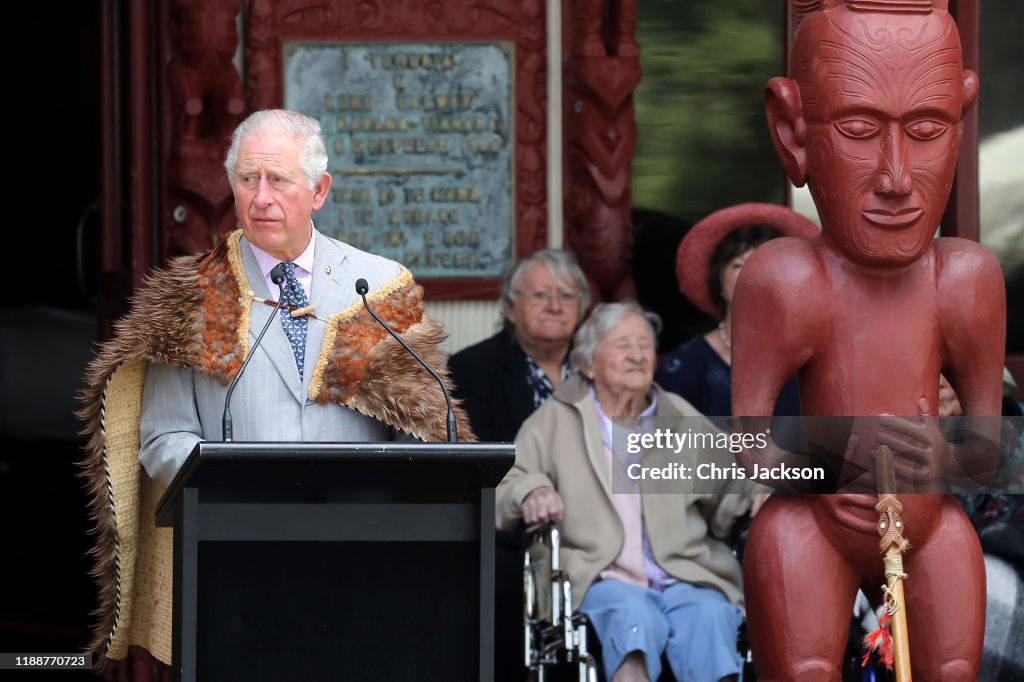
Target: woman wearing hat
column 708, row 263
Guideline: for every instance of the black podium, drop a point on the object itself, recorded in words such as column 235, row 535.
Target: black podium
column 327, row 561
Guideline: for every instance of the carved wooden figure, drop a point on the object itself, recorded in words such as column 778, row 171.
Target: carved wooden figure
column 869, row 313
column 204, row 84
column 262, row 70
column 531, row 130
column 206, row 103
column 602, row 73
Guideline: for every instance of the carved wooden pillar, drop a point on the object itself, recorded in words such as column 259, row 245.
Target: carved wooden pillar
column 602, row 72
column 262, row 57
column 204, row 103
column 531, row 129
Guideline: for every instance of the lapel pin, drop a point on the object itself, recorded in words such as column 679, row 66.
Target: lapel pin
column 327, row 270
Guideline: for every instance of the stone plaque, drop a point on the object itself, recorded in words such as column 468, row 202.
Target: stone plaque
column 420, row 138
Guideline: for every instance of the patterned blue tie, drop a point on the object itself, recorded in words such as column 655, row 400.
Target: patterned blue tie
column 294, row 327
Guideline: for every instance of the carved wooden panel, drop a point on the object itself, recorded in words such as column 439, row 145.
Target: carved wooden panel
column 600, row 132
column 203, row 102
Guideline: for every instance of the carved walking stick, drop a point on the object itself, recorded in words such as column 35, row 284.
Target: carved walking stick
column 891, row 637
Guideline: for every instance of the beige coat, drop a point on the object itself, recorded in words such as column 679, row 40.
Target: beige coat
column 560, row 445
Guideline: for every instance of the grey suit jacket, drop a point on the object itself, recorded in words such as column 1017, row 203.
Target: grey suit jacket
column 180, row 407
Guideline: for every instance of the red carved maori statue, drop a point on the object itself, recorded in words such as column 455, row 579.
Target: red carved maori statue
column 207, row 102
column 602, row 73
column 869, row 313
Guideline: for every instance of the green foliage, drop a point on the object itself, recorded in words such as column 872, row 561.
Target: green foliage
column 703, row 141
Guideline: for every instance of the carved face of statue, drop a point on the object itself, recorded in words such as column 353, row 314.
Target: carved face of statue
column 882, row 96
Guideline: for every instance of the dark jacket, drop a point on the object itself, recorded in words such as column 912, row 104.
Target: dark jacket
column 490, row 378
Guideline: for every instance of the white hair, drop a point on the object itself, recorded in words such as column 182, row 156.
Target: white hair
column 312, row 155
column 602, row 320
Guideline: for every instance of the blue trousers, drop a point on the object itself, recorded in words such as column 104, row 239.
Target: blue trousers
column 695, row 627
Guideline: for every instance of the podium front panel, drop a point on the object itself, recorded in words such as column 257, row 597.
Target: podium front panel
column 361, row 610
column 328, row 561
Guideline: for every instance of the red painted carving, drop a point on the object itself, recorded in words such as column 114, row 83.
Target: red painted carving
column 594, row 33
column 314, row 12
column 602, row 73
column 531, row 131
column 262, row 58
column 206, row 103
column 870, row 313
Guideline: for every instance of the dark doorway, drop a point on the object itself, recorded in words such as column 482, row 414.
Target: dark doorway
column 47, row 321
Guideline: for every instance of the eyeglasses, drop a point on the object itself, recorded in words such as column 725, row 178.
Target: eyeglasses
column 544, row 296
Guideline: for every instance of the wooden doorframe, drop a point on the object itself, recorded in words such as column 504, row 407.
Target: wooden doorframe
column 129, row 158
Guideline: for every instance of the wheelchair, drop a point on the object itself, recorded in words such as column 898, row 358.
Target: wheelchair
column 554, row 636
column 561, row 645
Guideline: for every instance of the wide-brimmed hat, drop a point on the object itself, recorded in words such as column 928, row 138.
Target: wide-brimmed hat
column 693, row 259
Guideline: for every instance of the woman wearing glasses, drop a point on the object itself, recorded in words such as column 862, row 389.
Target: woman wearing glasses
column 503, row 379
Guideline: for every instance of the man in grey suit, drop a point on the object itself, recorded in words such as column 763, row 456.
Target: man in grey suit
column 325, row 371
column 277, row 167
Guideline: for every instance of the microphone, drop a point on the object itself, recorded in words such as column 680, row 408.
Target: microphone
column 277, row 276
column 362, row 288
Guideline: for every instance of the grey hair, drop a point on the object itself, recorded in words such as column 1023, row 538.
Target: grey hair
column 312, row 156
column 602, row 320
column 562, row 266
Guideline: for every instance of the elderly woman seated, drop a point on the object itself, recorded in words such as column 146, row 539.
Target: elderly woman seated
column 652, row 578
